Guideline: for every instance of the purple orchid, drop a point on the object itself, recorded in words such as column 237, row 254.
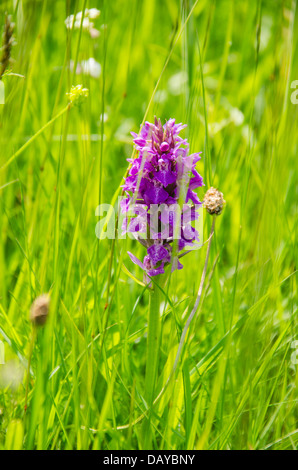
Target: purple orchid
column 161, row 173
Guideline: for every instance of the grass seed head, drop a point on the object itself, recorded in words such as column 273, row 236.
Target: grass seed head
column 7, row 43
column 40, row 310
column 214, row 201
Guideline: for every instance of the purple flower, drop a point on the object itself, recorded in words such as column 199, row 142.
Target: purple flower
column 162, row 169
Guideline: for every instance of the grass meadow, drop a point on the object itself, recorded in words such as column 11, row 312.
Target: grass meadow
column 227, row 70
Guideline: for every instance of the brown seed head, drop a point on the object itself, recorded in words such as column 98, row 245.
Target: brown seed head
column 40, row 310
column 7, row 44
column 214, row 201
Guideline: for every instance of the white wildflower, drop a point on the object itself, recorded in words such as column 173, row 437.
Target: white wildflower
column 93, row 13
column 91, row 67
column 87, row 67
column 87, row 25
column 69, row 21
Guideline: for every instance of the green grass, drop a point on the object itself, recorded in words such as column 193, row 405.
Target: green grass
column 225, row 68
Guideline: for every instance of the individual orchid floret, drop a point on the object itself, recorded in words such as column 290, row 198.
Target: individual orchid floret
column 161, row 181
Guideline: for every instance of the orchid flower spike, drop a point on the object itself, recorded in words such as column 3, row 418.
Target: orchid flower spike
column 160, row 179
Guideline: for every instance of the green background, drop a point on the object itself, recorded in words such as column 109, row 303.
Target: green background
column 225, row 69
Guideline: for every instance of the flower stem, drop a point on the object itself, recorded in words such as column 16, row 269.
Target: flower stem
column 191, row 315
column 31, row 346
column 181, row 342
column 152, row 342
column 153, row 339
